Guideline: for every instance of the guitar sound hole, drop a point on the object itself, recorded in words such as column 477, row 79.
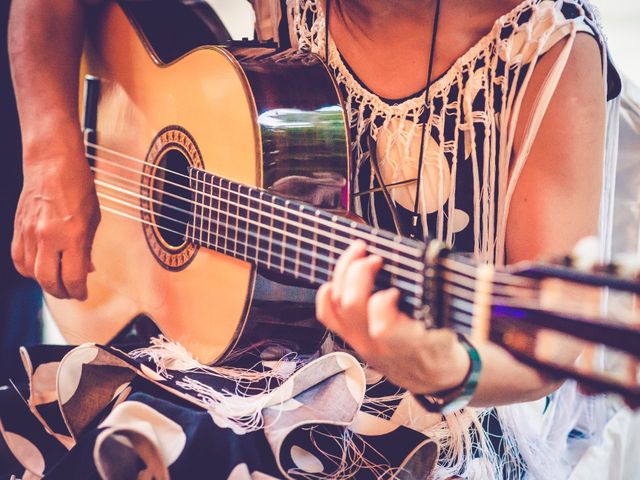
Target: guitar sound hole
column 172, row 198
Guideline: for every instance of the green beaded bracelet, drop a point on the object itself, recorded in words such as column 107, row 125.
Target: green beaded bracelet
column 458, row 397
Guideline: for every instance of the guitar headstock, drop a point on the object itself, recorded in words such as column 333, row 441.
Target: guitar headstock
column 548, row 314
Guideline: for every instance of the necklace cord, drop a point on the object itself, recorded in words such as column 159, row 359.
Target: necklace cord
column 432, row 50
column 413, row 232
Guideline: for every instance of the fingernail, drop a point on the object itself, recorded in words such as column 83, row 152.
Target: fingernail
column 375, row 259
column 359, row 245
column 394, row 293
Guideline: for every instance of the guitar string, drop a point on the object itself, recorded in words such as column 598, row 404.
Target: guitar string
column 412, row 299
column 409, row 287
column 508, row 279
column 372, row 246
column 413, row 275
column 375, row 235
column 497, row 290
column 402, row 284
column 405, row 285
column 462, row 303
column 471, row 271
column 497, row 287
column 449, row 261
column 628, row 385
column 461, row 293
column 301, row 239
column 458, row 265
column 461, row 318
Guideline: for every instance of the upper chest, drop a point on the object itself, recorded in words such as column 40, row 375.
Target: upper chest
column 392, row 61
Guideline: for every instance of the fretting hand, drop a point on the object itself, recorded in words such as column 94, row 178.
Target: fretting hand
column 411, row 356
column 56, row 220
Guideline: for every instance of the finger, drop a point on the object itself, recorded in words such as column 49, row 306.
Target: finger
column 359, row 280
column 330, row 317
column 29, row 252
column 47, row 272
column 357, row 250
column 382, row 311
column 325, row 310
column 75, row 265
column 17, row 253
column 93, row 229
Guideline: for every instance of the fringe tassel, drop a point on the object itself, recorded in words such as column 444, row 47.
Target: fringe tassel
column 240, row 409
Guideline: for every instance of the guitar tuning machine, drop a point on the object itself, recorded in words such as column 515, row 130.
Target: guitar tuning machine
column 626, row 265
column 586, row 255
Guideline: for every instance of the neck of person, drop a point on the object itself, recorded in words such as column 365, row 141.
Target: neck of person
column 371, row 16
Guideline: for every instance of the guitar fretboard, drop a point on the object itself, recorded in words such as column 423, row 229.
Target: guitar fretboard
column 295, row 239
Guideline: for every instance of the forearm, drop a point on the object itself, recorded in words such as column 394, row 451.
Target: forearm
column 504, row 380
column 58, row 212
column 555, row 205
column 45, row 43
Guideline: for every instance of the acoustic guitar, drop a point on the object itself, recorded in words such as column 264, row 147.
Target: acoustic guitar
column 223, row 179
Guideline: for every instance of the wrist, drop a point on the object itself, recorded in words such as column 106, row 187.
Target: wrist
column 449, row 372
column 53, row 136
column 458, row 370
column 458, row 397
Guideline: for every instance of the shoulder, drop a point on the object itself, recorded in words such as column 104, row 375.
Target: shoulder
column 543, row 23
column 537, row 32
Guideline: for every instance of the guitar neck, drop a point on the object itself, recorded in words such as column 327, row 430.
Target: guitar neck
column 295, row 239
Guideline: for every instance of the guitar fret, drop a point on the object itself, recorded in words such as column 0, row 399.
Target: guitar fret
column 296, row 270
column 263, row 245
column 216, row 186
column 284, row 236
column 314, row 248
column 332, row 259
column 301, row 241
column 233, row 211
column 209, row 184
column 200, row 204
column 395, row 260
column 229, row 218
column 305, row 245
column 224, row 213
column 192, row 227
column 271, row 234
column 244, row 235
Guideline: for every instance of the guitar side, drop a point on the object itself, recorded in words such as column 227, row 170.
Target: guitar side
column 222, row 115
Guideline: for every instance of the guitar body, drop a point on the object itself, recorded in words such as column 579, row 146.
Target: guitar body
column 271, row 122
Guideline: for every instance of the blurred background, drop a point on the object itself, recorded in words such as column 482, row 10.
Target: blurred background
column 621, row 20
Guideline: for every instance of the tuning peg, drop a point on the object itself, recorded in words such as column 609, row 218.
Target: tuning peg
column 627, row 265
column 586, row 254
